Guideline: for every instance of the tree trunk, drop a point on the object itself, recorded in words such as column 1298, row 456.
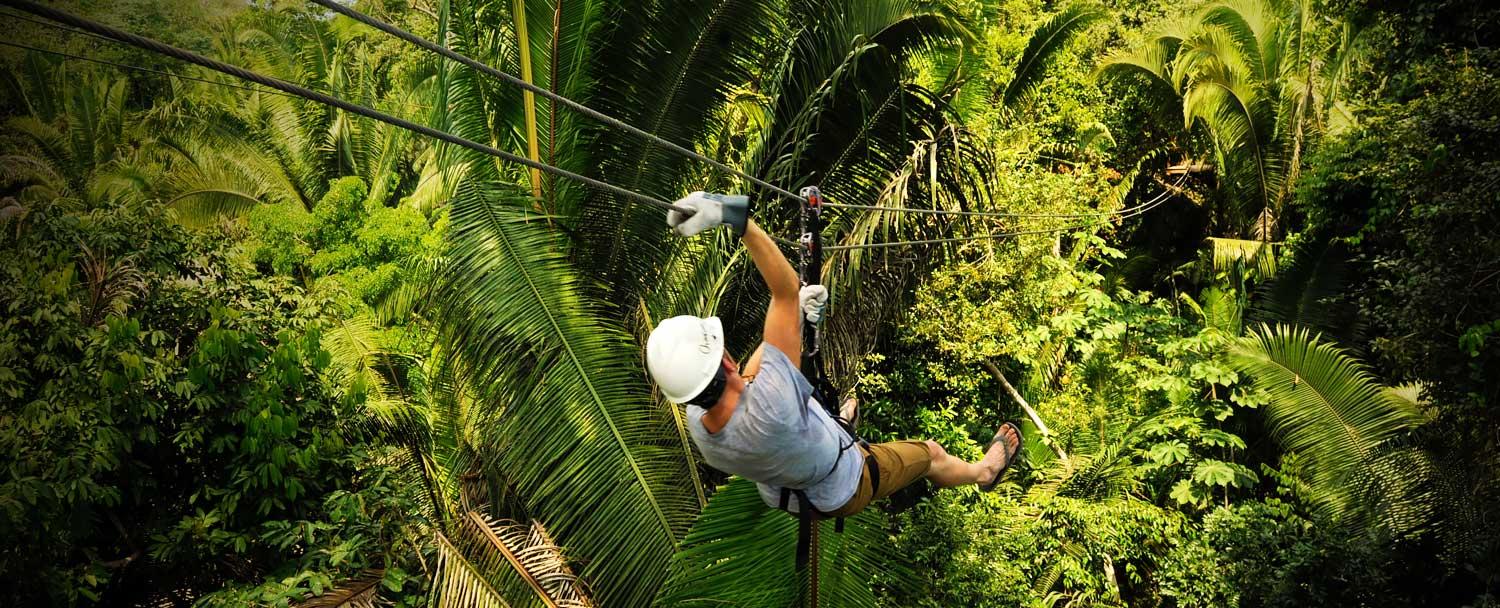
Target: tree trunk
column 529, row 98
column 1031, row 413
column 1109, row 576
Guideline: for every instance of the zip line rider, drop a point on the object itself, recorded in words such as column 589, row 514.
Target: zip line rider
column 764, row 424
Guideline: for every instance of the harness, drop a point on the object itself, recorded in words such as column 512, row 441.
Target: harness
column 807, row 514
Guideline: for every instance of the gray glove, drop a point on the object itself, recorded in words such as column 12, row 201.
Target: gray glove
column 813, row 298
column 710, row 210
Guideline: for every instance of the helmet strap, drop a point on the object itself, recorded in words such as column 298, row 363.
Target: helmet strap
column 709, row 396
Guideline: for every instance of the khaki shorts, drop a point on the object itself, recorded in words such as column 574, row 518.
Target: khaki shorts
column 901, row 463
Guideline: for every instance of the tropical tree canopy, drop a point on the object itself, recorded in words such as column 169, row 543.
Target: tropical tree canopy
column 1230, row 265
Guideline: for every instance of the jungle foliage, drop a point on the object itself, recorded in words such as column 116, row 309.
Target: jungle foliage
column 261, row 352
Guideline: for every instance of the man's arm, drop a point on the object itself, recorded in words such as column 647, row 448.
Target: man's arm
column 784, row 317
column 700, row 211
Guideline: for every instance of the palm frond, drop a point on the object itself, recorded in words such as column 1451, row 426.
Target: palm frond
column 1046, row 42
column 742, row 552
column 1324, row 404
column 1243, row 126
column 1240, row 255
column 580, row 436
column 200, row 208
column 1151, row 63
column 521, row 561
column 1244, row 25
column 456, row 583
column 358, row 592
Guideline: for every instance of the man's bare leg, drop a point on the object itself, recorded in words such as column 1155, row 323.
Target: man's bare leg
column 948, row 471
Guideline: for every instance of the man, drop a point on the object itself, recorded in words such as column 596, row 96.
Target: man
column 763, row 424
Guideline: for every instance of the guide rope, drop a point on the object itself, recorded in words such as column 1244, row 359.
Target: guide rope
column 1125, row 211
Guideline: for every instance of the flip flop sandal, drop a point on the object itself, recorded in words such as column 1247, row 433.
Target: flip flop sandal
column 854, row 419
column 1010, row 455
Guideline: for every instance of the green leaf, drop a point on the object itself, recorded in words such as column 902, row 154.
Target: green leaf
column 1213, row 473
column 1323, row 404
column 564, row 411
column 1171, row 452
column 1185, row 492
column 742, row 552
column 1044, row 45
column 1218, row 438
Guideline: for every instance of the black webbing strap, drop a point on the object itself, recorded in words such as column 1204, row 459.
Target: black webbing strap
column 812, row 366
column 812, row 274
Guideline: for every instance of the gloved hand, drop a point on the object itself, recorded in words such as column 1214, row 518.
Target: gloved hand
column 813, row 298
column 710, row 210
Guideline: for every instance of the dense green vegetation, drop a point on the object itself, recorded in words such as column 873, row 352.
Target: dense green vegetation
column 260, row 352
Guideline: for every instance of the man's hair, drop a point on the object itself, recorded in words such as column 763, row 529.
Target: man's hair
column 709, row 396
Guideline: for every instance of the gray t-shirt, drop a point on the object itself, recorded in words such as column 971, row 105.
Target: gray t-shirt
column 779, row 436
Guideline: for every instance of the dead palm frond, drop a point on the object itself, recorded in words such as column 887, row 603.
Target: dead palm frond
column 516, row 561
column 359, row 592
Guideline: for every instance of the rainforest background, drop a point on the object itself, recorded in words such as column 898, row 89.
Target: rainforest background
column 258, row 352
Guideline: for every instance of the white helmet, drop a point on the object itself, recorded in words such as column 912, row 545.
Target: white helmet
column 683, row 355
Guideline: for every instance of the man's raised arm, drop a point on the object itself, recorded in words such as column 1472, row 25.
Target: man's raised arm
column 783, row 318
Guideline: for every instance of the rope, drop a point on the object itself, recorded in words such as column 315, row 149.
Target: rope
column 346, row 11
column 974, row 213
column 303, row 92
column 1138, row 210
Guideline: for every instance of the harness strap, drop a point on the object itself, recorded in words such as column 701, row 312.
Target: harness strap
column 812, row 366
column 807, row 514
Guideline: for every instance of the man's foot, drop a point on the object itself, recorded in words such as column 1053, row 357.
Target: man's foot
column 850, row 412
column 1001, row 451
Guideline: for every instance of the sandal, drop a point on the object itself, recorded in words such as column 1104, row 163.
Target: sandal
column 850, row 412
column 1010, row 455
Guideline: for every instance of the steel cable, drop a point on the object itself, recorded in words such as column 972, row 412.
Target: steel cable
column 346, row 11
column 1120, row 212
column 1138, row 210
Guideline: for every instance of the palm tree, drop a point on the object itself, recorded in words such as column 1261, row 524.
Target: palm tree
column 1247, row 74
column 247, row 149
column 82, row 140
column 543, row 313
column 1346, row 428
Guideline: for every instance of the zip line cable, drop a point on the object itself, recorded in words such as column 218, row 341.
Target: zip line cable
column 99, row 30
column 990, row 236
column 346, row 11
column 323, row 98
column 1140, row 209
column 974, row 213
column 126, row 66
column 1120, row 212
